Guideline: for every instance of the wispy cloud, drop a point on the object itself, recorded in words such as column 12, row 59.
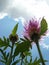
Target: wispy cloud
column 44, row 42
column 45, row 46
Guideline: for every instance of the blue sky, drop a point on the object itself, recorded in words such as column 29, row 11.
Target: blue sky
column 13, row 11
column 6, row 26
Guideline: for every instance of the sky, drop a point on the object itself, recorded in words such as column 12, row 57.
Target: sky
column 13, row 11
column 24, row 9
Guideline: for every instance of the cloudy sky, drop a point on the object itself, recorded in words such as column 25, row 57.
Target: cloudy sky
column 16, row 10
column 24, row 9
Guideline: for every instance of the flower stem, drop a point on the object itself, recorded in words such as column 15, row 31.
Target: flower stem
column 21, row 61
column 40, row 54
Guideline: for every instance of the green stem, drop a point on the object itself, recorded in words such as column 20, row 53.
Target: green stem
column 40, row 54
column 10, row 58
column 26, row 60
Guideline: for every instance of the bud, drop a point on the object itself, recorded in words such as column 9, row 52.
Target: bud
column 12, row 38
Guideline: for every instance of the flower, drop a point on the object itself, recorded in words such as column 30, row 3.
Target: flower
column 32, row 30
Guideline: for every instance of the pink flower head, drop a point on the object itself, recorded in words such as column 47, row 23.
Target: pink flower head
column 32, row 30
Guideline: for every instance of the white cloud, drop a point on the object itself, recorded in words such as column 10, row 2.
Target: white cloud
column 2, row 15
column 25, row 8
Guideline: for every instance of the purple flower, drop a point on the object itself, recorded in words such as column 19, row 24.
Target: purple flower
column 32, row 30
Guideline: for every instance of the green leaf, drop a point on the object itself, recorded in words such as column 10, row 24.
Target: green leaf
column 2, row 61
column 4, row 55
column 30, row 59
column 7, row 42
column 22, row 47
column 15, row 62
column 43, row 27
column 22, row 39
column 5, row 48
column 4, row 39
column 15, row 29
column 4, row 42
column 1, row 43
column 27, row 53
column 37, row 61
